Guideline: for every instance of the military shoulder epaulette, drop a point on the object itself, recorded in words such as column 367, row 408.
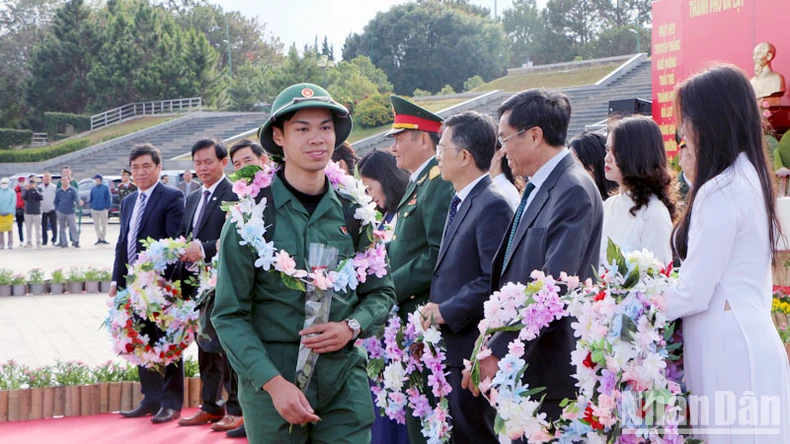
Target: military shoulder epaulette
column 434, row 173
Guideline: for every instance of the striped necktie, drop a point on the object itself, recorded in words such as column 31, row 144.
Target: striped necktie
column 517, row 219
column 134, row 229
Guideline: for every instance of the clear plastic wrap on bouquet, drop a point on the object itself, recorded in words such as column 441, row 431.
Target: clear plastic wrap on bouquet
column 317, row 305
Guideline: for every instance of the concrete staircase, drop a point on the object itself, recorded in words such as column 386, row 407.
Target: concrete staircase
column 174, row 138
column 590, row 103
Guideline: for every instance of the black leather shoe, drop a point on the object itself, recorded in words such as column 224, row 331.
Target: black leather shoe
column 140, row 411
column 165, row 415
column 238, row 432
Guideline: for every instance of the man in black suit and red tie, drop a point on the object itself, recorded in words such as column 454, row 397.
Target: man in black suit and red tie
column 556, row 228
column 154, row 211
column 203, row 221
column 478, row 216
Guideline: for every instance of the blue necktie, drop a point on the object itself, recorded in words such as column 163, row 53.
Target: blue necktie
column 517, row 219
column 451, row 215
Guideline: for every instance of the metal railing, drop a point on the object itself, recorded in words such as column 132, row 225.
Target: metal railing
column 39, row 139
column 136, row 109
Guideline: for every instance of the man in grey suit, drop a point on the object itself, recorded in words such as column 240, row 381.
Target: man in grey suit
column 556, row 228
column 478, row 217
column 187, row 186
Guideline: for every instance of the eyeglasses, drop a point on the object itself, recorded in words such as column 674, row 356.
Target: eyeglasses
column 503, row 141
column 441, row 149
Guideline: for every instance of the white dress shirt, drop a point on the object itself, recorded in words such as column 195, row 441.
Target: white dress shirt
column 464, row 193
column 203, row 188
column 508, row 190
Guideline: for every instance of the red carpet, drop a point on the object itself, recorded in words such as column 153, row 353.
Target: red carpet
column 111, row 429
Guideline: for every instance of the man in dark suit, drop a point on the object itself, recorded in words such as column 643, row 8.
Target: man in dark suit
column 154, row 211
column 556, row 228
column 203, row 221
column 478, row 216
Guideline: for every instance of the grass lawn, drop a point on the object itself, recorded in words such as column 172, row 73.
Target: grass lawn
column 557, row 79
column 122, row 129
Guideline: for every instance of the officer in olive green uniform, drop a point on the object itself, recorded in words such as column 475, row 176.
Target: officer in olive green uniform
column 422, row 212
column 259, row 320
column 423, row 209
column 126, row 187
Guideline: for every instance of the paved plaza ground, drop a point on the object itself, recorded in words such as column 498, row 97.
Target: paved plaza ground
column 38, row 330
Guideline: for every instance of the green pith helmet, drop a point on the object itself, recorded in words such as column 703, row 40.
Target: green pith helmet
column 300, row 96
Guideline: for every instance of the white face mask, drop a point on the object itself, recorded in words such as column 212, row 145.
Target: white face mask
column 4, row 186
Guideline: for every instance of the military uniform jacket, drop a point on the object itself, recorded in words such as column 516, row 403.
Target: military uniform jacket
column 418, row 235
column 255, row 313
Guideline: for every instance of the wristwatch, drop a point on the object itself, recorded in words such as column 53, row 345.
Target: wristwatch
column 353, row 324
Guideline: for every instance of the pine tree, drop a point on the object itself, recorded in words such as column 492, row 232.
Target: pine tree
column 59, row 66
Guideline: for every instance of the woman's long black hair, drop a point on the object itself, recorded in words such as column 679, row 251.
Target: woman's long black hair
column 721, row 108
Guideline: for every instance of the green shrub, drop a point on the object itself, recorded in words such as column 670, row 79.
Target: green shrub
column 421, row 93
column 373, row 111
column 6, row 276
column 36, row 276
column 18, row 279
column 76, row 275
column 446, row 90
column 12, row 137
column 56, row 123
column 473, row 82
column 44, row 153
column 57, row 276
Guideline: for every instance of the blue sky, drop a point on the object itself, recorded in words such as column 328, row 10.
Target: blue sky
column 301, row 20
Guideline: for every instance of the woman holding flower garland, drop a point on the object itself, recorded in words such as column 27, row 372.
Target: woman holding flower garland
column 734, row 360
column 640, row 215
column 260, row 316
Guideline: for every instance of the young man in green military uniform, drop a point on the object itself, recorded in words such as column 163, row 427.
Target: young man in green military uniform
column 126, row 187
column 414, row 248
column 259, row 320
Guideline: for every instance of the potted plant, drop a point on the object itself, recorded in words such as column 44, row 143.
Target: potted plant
column 57, row 283
column 75, row 280
column 40, row 380
column 5, row 281
column 92, row 276
column 18, row 284
column 105, row 278
column 36, row 280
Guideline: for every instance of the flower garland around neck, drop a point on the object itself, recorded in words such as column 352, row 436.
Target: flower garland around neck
column 248, row 215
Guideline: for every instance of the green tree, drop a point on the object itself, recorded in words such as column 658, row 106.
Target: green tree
column 426, row 45
column 23, row 24
column 580, row 20
column 523, row 29
column 298, row 68
column 617, row 41
column 249, row 39
column 59, row 66
column 250, row 85
column 327, row 49
column 147, row 55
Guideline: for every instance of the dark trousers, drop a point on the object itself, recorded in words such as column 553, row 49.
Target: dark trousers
column 216, row 374
column 473, row 418
column 49, row 221
column 163, row 390
column 20, row 223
